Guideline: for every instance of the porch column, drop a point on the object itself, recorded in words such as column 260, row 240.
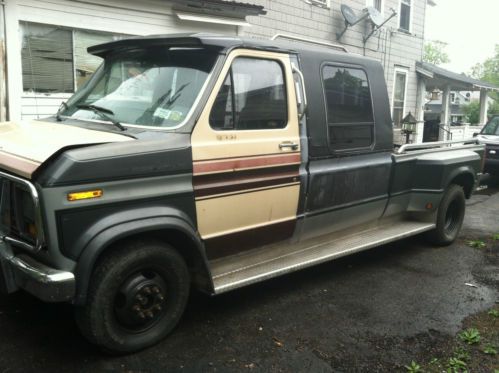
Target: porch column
column 420, row 104
column 483, row 107
column 445, row 115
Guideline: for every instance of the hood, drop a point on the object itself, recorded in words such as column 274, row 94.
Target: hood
column 488, row 139
column 25, row 145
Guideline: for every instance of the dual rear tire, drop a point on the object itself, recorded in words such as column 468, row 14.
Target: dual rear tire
column 450, row 216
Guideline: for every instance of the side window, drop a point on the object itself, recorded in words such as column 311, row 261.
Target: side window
column 349, row 108
column 252, row 97
column 405, row 15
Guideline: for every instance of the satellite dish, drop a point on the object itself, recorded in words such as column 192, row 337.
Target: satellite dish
column 375, row 16
column 377, row 20
column 350, row 17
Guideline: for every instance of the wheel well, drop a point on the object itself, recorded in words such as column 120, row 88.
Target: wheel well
column 184, row 245
column 465, row 180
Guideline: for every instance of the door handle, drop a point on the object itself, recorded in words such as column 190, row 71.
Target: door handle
column 288, row 145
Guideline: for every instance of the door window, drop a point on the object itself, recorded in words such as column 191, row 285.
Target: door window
column 252, row 97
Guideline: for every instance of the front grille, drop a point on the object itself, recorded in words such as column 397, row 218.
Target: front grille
column 19, row 215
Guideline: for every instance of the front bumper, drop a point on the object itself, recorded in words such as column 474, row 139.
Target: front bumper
column 23, row 272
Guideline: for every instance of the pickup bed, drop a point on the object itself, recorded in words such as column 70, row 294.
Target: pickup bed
column 213, row 162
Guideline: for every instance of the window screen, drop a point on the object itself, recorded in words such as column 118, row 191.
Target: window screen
column 253, row 96
column 349, row 108
column 405, row 14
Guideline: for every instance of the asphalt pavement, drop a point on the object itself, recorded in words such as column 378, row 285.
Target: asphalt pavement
column 373, row 311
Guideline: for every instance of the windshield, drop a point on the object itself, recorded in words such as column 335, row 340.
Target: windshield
column 156, row 87
column 491, row 128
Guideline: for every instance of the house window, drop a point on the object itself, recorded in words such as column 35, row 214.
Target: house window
column 320, row 3
column 252, row 97
column 452, row 97
column 399, row 93
column 349, row 108
column 377, row 4
column 405, row 15
column 55, row 59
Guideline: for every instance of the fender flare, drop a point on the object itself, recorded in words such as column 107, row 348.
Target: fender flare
column 125, row 224
column 465, row 170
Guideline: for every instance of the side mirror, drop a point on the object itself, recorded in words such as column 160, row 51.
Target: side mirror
column 476, row 134
column 301, row 95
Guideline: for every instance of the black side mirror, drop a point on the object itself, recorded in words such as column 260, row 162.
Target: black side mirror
column 476, row 134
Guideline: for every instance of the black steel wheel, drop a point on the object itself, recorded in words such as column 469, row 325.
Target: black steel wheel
column 450, row 216
column 137, row 295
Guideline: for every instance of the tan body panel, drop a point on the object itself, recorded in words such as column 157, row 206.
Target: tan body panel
column 242, row 179
column 25, row 145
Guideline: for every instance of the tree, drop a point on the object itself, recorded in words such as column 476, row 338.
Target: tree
column 434, row 52
column 472, row 112
column 488, row 71
column 493, row 109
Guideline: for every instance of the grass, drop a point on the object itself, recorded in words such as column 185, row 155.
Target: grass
column 470, row 336
column 474, row 349
column 414, row 367
column 477, row 244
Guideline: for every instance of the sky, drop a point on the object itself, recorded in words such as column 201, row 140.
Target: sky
column 470, row 27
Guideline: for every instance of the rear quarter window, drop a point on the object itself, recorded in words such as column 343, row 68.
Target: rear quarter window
column 349, row 110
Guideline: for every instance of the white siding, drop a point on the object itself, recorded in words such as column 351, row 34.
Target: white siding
column 116, row 16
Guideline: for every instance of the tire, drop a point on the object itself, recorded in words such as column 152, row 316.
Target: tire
column 136, row 296
column 450, row 217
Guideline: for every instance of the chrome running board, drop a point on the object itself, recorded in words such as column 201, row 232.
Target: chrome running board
column 257, row 265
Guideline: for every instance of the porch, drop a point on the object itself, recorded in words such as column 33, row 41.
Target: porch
column 432, row 78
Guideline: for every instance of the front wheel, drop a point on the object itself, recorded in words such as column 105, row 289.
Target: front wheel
column 137, row 295
column 450, row 216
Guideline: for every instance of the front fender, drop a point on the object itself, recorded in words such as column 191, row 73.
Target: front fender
column 124, row 224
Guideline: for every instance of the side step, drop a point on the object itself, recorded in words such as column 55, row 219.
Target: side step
column 272, row 261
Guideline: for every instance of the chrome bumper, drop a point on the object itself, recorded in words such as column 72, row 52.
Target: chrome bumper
column 23, row 272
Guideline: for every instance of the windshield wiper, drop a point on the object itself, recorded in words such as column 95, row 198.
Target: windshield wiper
column 63, row 106
column 177, row 94
column 103, row 113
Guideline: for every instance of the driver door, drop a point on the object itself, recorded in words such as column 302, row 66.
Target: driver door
column 246, row 153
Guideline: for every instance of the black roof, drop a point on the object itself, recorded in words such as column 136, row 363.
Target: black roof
column 220, row 42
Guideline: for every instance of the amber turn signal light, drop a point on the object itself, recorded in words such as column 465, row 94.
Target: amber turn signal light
column 88, row 194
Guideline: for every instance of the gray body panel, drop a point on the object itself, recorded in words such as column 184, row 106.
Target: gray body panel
column 148, row 187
